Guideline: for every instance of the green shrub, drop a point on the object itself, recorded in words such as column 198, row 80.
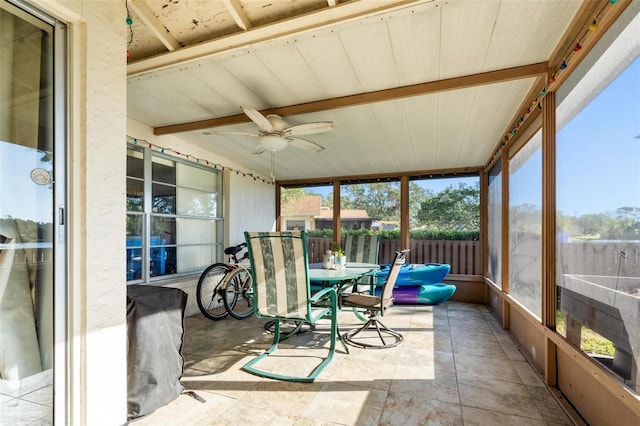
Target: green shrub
column 414, row 234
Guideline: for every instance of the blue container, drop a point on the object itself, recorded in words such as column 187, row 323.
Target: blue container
column 414, row 275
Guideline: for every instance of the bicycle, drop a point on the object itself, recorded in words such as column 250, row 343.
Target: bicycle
column 226, row 288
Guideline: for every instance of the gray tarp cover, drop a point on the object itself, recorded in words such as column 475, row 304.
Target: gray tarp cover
column 154, row 360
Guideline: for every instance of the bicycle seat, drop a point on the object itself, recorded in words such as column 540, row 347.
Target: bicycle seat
column 233, row 250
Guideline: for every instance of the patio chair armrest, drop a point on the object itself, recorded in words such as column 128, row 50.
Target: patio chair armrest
column 323, row 306
column 322, row 294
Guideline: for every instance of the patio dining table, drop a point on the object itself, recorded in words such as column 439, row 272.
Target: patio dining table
column 338, row 277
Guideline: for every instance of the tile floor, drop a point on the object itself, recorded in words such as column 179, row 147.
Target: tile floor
column 28, row 401
column 456, row 366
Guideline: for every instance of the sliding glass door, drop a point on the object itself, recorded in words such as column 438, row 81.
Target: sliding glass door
column 31, row 213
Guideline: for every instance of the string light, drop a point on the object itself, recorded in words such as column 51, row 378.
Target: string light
column 537, row 102
column 129, row 22
column 197, row 160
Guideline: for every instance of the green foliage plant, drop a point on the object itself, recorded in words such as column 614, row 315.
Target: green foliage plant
column 336, row 249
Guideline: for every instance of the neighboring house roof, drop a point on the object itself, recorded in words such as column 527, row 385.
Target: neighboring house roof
column 345, row 214
column 311, row 205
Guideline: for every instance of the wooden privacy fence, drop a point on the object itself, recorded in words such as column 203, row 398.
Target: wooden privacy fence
column 607, row 258
column 462, row 256
column 578, row 257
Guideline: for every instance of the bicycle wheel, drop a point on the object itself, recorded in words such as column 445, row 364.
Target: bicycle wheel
column 209, row 294
column 238, row 289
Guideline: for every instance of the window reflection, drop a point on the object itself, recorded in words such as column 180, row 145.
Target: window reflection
column 494, row 224
column 525, row 225
column 598, row 217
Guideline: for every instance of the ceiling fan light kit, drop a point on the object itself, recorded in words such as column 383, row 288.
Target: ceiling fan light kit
column 273, row 143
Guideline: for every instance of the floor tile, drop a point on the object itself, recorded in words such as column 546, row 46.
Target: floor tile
column 404, row 409
column 496, row 395
column 477, row 417
column 347, row 404
column 484, row 367
column 456, row 366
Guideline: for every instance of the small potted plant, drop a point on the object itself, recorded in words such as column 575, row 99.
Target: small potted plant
column 338, row 253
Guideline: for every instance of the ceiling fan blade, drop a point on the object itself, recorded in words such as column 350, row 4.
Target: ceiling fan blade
column 263, row 123
column 259, row 149
column 255, row 135
column 309, row 128
column 304, row 144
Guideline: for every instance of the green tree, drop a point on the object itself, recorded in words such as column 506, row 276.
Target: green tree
column 453, row 208
column 289, row 196
column 381, row 200
column 417, row 195
column 594, row 224
column 625, row 225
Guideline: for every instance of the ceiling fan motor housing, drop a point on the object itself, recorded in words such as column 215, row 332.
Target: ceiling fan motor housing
column 277, row 122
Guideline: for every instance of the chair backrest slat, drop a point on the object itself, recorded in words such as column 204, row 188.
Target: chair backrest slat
column 362, row 248
column 279, row 267
column 398, row 261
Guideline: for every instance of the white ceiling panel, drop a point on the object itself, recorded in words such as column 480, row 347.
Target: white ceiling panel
column 326, row 56
column 422, row 113
column 519, row 23
column 259, row 80
column 167, row 101
column 415, row 40
column 501, row 109
column 370, row 53
column 455, row 108
column 467, row 28
column 394, row 131
column 394, row 76
column 227, row 91
column 292, row 71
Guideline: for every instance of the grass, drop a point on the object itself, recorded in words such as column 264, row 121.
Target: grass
column 590, row 341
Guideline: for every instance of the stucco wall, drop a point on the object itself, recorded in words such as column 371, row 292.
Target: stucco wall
column 96, row 286
column 251, row 207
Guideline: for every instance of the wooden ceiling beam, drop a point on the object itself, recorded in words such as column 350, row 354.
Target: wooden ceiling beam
column 240, row 18
column 147, row 16
column 525, row 71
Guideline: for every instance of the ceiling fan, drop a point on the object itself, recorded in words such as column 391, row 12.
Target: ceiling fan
column 275, row 134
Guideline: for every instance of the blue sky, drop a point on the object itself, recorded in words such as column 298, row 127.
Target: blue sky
column 20, row 197
column 598, row 166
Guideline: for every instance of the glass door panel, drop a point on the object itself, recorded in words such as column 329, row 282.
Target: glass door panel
column 26, row 217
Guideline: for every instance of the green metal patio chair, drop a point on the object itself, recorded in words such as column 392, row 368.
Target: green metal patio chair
column 280, row 270
column 362, row 248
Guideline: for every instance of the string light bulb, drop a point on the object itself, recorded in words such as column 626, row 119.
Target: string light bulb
column 197, row 160
column 563, row 65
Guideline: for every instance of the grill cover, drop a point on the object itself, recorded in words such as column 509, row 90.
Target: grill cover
column 154, row 359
